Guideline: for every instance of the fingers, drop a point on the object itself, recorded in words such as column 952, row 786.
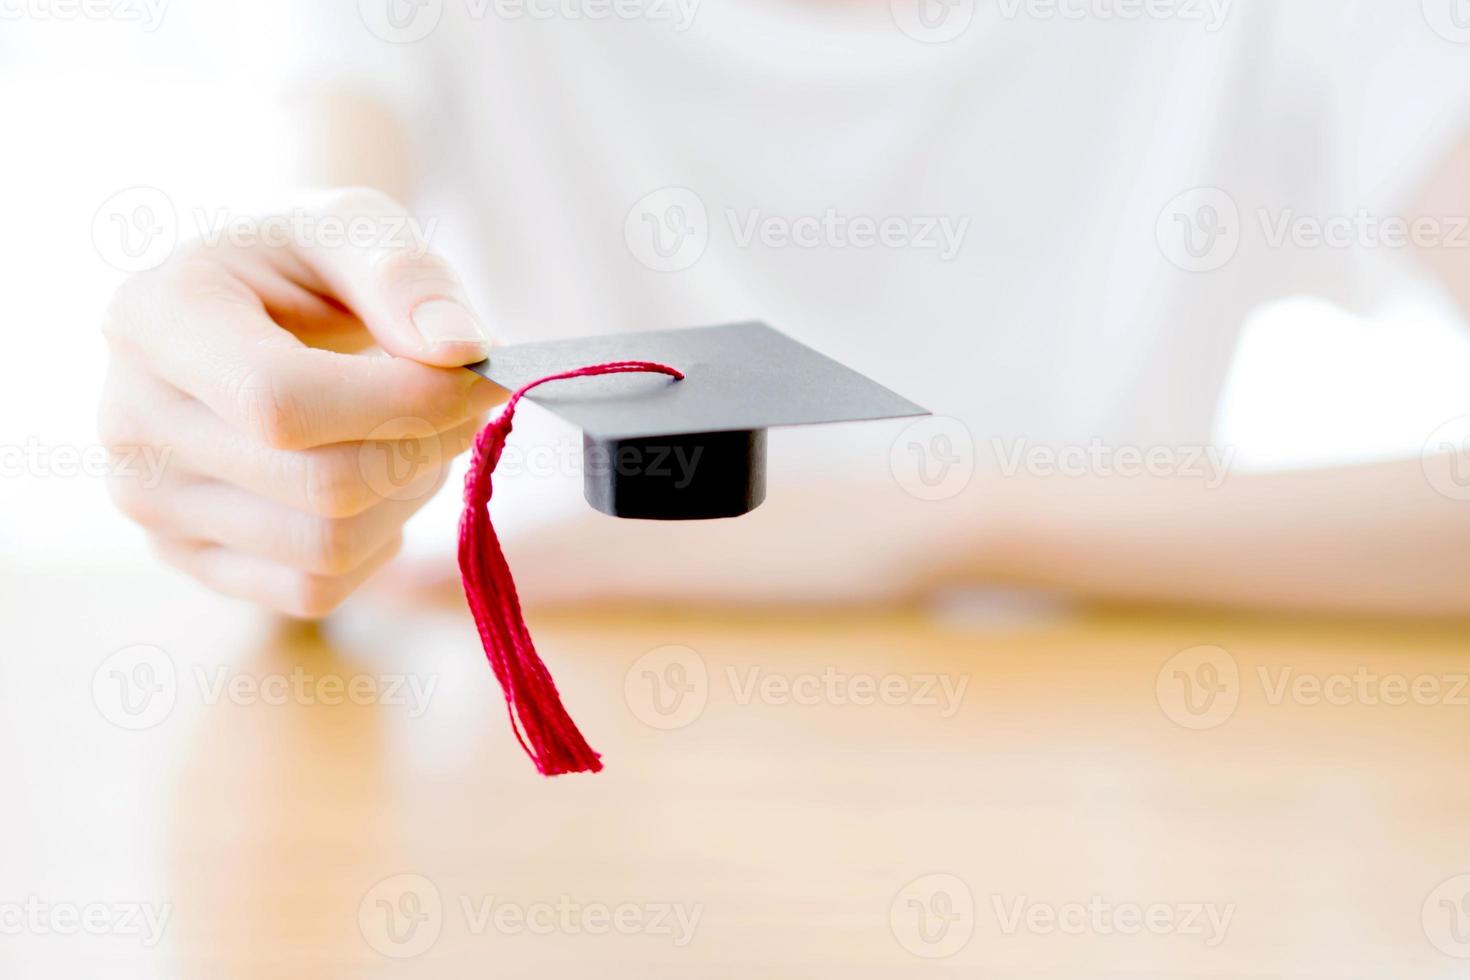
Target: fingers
column 199, row 326
column 335, row 481
column 410, row 299
column 210, row 512
column 298, row 593
column 280, row 464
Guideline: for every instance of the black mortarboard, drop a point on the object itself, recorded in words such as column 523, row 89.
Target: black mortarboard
column 681, row 450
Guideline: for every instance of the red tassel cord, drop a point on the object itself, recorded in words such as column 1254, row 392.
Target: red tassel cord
column 537, row 717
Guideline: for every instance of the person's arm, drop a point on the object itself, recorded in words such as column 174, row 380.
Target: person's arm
column 1360, row 539
column 293, row 455
column 1392, row 537
column 1387, row 538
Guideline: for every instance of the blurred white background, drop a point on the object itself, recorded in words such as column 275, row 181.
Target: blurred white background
column 89, row 108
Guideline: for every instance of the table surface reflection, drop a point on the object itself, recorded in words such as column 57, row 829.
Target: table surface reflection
column 834, row 793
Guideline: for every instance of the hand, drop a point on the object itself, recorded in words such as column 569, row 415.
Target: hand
column 291, row 456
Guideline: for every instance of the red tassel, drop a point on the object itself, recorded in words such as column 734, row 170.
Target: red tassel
column 537, row 717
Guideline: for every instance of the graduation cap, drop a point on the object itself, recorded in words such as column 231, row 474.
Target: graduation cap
column 674, row 428
column 694, row 448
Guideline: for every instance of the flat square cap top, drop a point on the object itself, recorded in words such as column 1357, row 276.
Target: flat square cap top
column 736, row 377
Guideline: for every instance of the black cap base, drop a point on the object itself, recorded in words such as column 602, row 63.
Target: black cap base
column 690, row 477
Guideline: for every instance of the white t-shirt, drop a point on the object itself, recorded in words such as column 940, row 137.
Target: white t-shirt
column 1045, row 218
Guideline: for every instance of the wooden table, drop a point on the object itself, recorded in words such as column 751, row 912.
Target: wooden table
column 1110, row 794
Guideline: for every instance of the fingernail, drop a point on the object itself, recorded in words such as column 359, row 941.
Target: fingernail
column 443, row 321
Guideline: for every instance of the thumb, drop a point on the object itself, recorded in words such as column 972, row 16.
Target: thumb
column 409, row 298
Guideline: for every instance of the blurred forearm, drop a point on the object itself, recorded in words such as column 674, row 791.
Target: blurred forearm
column 1373, row 539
